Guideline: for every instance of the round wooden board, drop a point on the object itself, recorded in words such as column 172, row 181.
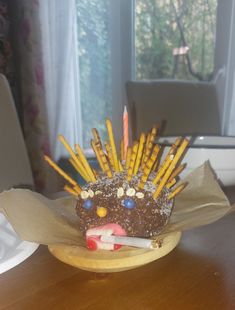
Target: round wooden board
column 107, row 261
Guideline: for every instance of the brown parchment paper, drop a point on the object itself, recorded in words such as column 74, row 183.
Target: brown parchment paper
column 45, row 221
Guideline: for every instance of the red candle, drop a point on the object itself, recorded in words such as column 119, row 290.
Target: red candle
column 125, row 131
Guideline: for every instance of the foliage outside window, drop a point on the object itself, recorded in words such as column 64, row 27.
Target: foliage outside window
column 174, row 39
column 185, row 28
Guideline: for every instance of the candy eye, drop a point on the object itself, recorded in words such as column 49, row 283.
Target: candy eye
column 87, row 204
column 129, row 203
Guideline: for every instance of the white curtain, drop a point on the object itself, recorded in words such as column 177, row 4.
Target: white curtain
column 61, row 70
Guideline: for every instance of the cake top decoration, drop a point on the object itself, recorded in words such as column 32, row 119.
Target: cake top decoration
column 141, row 160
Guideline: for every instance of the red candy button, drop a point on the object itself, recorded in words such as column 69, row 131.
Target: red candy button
column 91, row 244
column 117, row 247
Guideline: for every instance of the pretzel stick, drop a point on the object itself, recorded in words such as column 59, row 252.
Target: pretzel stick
column 109, row 153
column 176, row 190
column 122, row 150
column 120, row 166
column 96, row 136
column 105, row 163
column 148, row 166
column 166, row 161
column 128, row 157
column 79, row 166
column 155, row 164
column 139, row 153
column 94, row 146
column 177, row 171
column 132, row 161
column 82, row 172
column 174, row 146
column 147, row 141
column 163, row 169
column 170, row 183
column 149, row 146
column 171, row 167
column 85, row 163
column 60, row 171
column 71, row 190
column 112, row 144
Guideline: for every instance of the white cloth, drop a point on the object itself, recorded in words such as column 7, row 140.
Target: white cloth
column 61, row 72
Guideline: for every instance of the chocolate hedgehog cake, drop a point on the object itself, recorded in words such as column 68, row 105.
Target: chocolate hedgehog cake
column 133, row 193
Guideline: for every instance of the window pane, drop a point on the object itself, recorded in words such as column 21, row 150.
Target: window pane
column 94, row 64
column 175, row 39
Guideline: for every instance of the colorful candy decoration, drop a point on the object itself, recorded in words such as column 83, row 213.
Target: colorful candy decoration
column 129, row 203
column 88, row 204
column 93, row 237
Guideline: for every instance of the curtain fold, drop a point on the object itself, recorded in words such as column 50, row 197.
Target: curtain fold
column 60, row 60
column 49, row 81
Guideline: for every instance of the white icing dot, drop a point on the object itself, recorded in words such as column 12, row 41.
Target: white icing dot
column 84, row 194
column 91, row 193
column 139, row 195
column 130, row 192
column 120, row 192
column 98, row 192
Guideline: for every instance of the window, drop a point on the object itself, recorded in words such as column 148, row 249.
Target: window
column 119, row 40
column 95, row 65
column 175, row 39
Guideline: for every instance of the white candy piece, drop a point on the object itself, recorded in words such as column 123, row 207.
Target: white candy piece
column 84, row 194
column 98, row 192
column 120, row 192
column 91, row 193
column 130, row 192
column 140, row 195
column 130, row 241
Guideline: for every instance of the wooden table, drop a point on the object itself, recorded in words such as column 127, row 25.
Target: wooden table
column 198, row 274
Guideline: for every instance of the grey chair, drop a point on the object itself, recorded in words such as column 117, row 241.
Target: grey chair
column 182, row 107
column 15, row 171
column 15, row 167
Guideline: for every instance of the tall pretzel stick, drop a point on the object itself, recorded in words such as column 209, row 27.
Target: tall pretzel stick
column 132, row 161
column 109, row 153
column 105, row 163
column 163, row 169
column 171, row 167
column 80, row 170
column 145, row 148
column 61, row 172
column 148, row 166
column 79, row 165
column 71, row 190
column 165, row 164
column 140, row 153
column 112, row 144
column 96, row 136
column 85, row 163
column 94, row 147
column 149, row 146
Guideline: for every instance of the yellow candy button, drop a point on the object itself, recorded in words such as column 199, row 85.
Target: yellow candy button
column 101, row 211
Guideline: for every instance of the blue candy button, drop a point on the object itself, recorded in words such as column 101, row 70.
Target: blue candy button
column 87, row 204
column 129, row 203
